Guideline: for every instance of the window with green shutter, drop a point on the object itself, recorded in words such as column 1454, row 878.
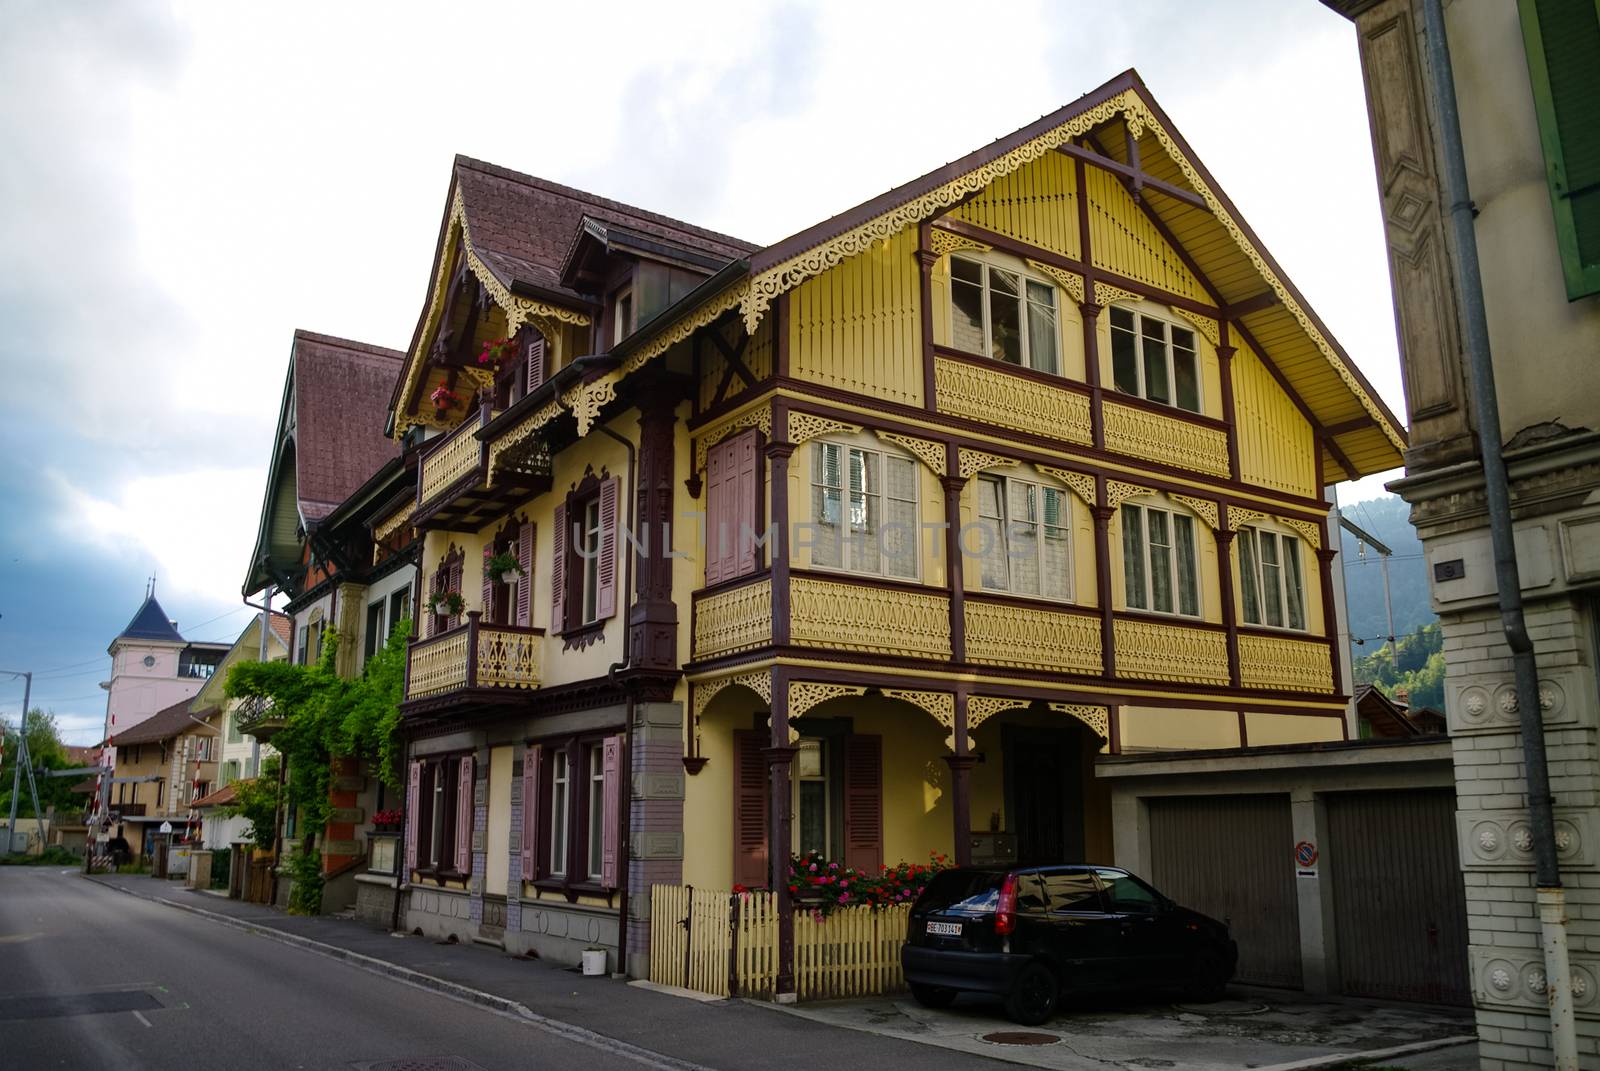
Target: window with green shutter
column 1562, row 38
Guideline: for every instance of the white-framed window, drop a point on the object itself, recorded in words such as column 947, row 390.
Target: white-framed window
column 622, row 323
column 1004, row 314
column 812, row 802
column 1159, row 561
column 436, row 854
column 1025, row 546
column 591, row 561
column 597, row 809
column 1154, row 359
column 864, row 504
column 560, row 776
column 1270, row 579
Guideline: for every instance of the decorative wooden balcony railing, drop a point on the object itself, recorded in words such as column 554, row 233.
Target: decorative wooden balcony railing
column 1285, row 663
column 474, row 657
column 1184, row 441
column 851, row 615
column 1154, row 650
column 453, row 485
column 993, row 393
column 1057, row 639
column 733, row 619
column 450, row 461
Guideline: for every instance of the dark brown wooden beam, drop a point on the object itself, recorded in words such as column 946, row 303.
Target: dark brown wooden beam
column 1143, row 179
column 1264, row 300
column 1360, row 422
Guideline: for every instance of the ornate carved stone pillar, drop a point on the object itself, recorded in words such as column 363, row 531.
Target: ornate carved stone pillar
column 653, row 620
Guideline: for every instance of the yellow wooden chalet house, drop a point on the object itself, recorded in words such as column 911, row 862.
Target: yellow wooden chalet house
column 865, row 542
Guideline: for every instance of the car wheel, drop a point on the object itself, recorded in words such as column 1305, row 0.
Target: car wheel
column 933, row 996
column 1209, row 981
column 1033, row 995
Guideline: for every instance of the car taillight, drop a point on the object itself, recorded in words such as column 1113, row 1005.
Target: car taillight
column 1005, row 912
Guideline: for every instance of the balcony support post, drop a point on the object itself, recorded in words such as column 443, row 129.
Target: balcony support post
column 653, row 618
column 472, row 647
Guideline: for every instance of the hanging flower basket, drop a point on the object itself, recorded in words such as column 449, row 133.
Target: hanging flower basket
column 503, row 568
column 496, row 352
column 444, row 399
column 449, row 603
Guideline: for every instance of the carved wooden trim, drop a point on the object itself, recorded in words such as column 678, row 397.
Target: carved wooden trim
column 1082, row 483
column 803, row 426
column 1070, row 281
column 973, row 462
column 1204, row 508
column 944, row 242
column 807, row 695
column 1118, row 492
column 930, row 452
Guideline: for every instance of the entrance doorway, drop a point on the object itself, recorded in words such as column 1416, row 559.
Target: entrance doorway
column 1044, row 793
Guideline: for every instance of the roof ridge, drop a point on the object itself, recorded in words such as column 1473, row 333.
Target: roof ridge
column 348, row 344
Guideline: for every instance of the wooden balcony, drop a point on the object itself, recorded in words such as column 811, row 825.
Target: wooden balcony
column 476, row 663
column 453, row 485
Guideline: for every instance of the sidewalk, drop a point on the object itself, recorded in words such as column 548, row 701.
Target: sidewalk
column 1255, row 1028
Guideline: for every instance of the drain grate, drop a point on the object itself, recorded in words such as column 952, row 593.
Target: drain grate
column 1021, row 1037
column 419, row 1063
column 57, row 1006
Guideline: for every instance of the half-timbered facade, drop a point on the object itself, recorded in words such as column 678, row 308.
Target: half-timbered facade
column 864, row 542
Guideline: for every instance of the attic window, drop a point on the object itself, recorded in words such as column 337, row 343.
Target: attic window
column 623, row 324
column 1003, row 314
column 1154, row 359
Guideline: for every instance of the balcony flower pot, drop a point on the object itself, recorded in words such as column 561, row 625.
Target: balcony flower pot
column 444, row 399
column 503, row 568
column 449, row 603
column 594, row 962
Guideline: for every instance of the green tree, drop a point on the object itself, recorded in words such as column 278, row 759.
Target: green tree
column 1414, row 665
column 256, row 799
column 46, row 750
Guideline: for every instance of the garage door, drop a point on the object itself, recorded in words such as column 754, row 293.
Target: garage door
column 1400, row 912
column 1231, row 857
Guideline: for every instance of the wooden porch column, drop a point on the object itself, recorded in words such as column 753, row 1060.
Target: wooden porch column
column 1102, row 580
column 926, row 259
column 779, row 451
column 780, row 759
column 1225, row 536
column 1330, row 615
column 961, row 764
column 1225, row 353
column 1091, row 371
column 955, row 569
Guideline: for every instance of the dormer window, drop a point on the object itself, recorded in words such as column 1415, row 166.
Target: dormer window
column 622, row 325
column 1154, row 359
column 1003, row 314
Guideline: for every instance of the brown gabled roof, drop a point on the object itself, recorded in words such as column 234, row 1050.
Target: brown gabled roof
column 165, row 724
column 283, row 627
column 339, row 387
column 221, row 796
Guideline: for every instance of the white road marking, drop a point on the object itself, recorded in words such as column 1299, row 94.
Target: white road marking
column 139, row 1015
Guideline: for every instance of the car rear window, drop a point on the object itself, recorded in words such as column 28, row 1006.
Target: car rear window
column 962, row 892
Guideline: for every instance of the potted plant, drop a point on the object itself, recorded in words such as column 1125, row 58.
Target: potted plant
column 387, row 821
column 444, row 399
column 503, row 568
column 496, row 351
column 446, row 603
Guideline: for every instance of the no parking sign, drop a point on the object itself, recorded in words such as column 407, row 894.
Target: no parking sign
column 1305, row 859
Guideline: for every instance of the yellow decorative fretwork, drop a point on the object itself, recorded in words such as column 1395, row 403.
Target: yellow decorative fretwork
column 1282, row 663
column 1082, row 483
column 931, row 453
column 1206, row 325
column 803, row 426
column 1156, row 437
column 980, row 708
column 1070, row 281
column 1008, row 401
column 973, row 462
column 587, row 401
column 759, row 682
column 805, row 695
column 1239, row 516
column 1118, row 492
column 1150, row 650
column 734, row 620
column 1105, row 294
column 438, row 665
column 944, row 242
column 765, row 287
column 453, row 460
column 1032, row 639
column 853, row 617
column 705, row 316
column 1310, row 531
column 1204, row 508
column 530, row 426
column 1096, row 718
column 759, row 417
column 508, row 659
column 941, row 705
column 391, row 524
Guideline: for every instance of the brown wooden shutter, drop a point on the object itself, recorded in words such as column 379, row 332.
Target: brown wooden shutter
column 611, row 792
column 526, row 536
column 455, row 586
column 863, row 802
column 488, row 584
column 606, row 593
column 531, row 757
column 746, row 480
column 750, row 810
column 535, row 362
column 558, row 572
column 413, row 801
column 464, row 816
column 717, row 511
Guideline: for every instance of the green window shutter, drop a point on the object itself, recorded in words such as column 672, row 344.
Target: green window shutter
column 1562, row 38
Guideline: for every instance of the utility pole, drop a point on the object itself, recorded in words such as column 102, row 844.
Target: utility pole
column 22, row 760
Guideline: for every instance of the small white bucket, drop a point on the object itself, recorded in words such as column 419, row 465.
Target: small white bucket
column 594, row 962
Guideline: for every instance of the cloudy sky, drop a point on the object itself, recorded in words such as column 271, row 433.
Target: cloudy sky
column 184, row 184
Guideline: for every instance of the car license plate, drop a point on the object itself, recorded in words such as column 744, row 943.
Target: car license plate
column 945, row 929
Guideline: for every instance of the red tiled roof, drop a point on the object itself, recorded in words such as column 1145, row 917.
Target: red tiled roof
column 283, row 627
column 164, row 724
column 223, row 795
column 341, row 391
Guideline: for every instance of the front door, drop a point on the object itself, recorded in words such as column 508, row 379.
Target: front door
column 1044, row 794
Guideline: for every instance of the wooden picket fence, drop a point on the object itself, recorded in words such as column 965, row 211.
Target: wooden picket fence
column 726, row 944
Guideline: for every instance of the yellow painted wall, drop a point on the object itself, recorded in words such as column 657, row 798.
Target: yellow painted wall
column 917, row 818
column 1264, row 729
column 1173, row 728
column 497, row 838
column 1206, row 550
column 1124, row 240
column 708, row 795
column 1276, row 446
column 1036, row 204
column 857, row 326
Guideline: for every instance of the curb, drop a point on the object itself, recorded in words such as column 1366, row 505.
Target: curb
column 1368, row 1056
column 455, row 990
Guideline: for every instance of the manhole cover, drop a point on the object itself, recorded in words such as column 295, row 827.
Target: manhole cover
column 1021, row 1037
column 419, row 1063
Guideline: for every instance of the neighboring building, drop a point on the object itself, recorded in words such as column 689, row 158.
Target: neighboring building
column 1068, row 338
column 1382, row 718
column 1525, row 78
column 152, row 667
column 241, row 753
column 175, row 747
column 334, row 475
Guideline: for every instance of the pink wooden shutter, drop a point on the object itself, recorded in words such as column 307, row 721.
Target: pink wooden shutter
column 750, row 810
column 488, row 585
column 535, row 362
column 464, row 817
column 606, row 595
column 717, row 512
column 526, row 535
column 413, row 801
column 531, row 757
column 455, row 586
column 863, row 802
column 558, row 572
column 611, row 766
column 745, row 478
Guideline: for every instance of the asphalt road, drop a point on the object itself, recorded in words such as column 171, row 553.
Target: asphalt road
column 90, row 978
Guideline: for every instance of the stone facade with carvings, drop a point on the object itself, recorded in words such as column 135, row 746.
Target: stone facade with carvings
column 1544, row 327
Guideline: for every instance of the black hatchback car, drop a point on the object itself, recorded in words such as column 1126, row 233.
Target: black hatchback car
column 1029, row 934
